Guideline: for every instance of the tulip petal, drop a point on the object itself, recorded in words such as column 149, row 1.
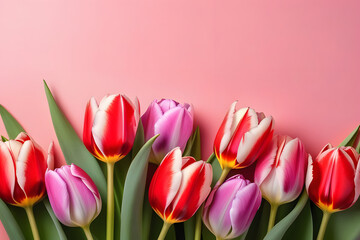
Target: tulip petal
column 55, row 187
column 190, row 196
column 149, row 118
column 248, row 198
column 91, row 109
column 175, row 128
column 7, row 174
column 22, row 137
column 167, row 104
column 166, row 182
column 50, row 158
column 254, row 141
column 30, row 169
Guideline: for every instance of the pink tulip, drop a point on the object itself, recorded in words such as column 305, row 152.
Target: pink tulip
column 280, row 170
column 110, row 127
column 231, row 207
column 173, row 121
column 73, row 196
column 242, row 136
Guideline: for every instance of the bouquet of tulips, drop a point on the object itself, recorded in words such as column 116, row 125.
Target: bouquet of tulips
column 135, row 178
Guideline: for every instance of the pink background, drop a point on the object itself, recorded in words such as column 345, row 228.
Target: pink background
column 299, row 62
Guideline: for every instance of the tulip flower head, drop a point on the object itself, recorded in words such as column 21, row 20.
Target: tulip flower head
column 332, row 180
column 179, row 186
column 280, row 170
column 231, row 207
column 110, row 127
column 173, row 121
column 73, row 195
column 242, row 137
column 22, row 171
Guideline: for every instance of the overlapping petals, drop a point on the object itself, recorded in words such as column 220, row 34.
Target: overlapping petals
column 242, row 137
column 110, row 127
column 173, row 121
column 332, row 180
column 179, row 186
column 73, row 196
column 280, row 170
column 22, row 171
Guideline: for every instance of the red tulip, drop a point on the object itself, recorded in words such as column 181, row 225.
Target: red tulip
column 332, row 180
column 242, row 137
column 179, row 186
column 22, row 171
column 110, row 127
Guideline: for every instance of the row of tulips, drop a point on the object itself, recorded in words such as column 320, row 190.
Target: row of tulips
column 181, row 185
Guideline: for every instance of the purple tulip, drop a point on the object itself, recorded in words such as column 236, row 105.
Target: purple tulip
column 230, row 209
column 173, row 121
column 73, row 195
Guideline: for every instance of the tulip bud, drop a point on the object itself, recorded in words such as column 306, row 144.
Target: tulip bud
column 22, row 171
column 179, row 186
column 73, row 195
column 110, row 127
column 242, row 137
column 280, row 170
column 231, row 207
column 173, row 121
column 332, row 180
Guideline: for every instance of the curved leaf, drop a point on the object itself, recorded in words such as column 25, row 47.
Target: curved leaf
column 132, row 203
column 72, row 147
column 11, row 226
column 13, row 127
column 281, row 227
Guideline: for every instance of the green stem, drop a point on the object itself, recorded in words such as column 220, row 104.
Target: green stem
column 198, row 223
column 30, row 214
column 273, row 211
column 110, row 202
column 164, row 230
column 223, row 176
column 324, row 222
column 88, row 232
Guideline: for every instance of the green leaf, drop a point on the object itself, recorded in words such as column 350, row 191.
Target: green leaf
column 4, row 139
column 72, row 147
column 10, row 224
column 147, row 216
column 193, row 146
column 132, row 203
column 139, row 140
column 13, row 127
column 217, row 170
column 350, row 139
column 57, row 224
column 258, row 227
column 302, row 228
column 281, row 227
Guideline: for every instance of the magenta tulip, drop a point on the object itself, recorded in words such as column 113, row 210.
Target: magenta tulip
column 280, row 170
column 173, row 121
column 231, row 207
column 73, row 196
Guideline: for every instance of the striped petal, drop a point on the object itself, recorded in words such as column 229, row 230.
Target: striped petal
column 91, row 109
column 166, row 182
column 7, row 174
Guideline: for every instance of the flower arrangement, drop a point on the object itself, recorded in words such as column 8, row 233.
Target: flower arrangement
column 147, row 172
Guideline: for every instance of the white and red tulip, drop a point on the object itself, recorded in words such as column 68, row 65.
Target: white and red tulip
column 110, row 127
column 280, row 170
column 231, row 207
column 242, row 137
column 173, row 121
column 73, row 195
column 179, row 186
column 22, row 171
column 332, row 179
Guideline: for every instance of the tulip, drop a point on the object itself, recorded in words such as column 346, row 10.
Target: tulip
column 22, row 174
column 280, row 172
column 173, row 121
column 109, row 134
column 178, row 188
column 333, row 181
column 241, row 138
column 73, row 196
column 231, row 207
